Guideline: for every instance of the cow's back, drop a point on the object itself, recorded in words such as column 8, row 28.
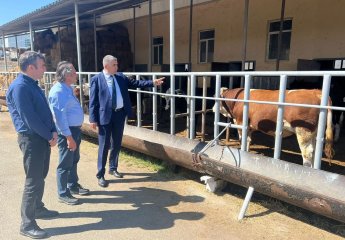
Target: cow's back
column 263, row 117
column 303, row 116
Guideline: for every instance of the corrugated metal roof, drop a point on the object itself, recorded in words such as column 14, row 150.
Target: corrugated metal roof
column 61, row 12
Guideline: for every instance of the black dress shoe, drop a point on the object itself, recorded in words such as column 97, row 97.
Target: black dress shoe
column 102, row 182
column 69, row 200
column 116, row 173
column 35, row 232
column 79, row 190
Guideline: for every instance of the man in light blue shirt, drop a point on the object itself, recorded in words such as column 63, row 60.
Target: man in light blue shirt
column 69, row 117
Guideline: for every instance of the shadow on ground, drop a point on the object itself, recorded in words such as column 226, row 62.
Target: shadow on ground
column 149, row 210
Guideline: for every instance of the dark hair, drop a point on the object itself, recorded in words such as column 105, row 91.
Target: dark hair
column 62, row 69
column 29, row 58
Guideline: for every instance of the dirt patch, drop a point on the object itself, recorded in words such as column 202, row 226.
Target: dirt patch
column 149, row 205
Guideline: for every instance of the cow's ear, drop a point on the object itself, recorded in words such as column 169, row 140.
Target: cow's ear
column 222, row 90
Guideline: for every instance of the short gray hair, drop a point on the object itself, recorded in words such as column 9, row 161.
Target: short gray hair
column 107, row 59
column 62, row 69
column 29, row 58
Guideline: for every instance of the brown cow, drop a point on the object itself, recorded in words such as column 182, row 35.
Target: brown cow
column 301, row 121
column 76, row 92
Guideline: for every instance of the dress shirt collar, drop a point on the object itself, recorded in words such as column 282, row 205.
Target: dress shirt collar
column 107, row 75
column 31, row 80
column 65, row 86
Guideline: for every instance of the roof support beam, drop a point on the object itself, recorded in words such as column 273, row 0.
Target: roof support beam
column 95, row 41
column 134, row 38
column 77, row 31
column 53, row 17
column 31, row 37
column 172, row 65
column 80, row 69
column 17, row 50
column 60, row 52
column 280, row 36
column 4, row 49
column 190, row 36
column 245, row 33
column 92, row 1
column 93, row 11
column 150, row 37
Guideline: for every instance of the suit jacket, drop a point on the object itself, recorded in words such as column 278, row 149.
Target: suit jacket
column 100, row 105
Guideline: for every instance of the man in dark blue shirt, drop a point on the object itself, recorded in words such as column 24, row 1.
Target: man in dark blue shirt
column 34, row 123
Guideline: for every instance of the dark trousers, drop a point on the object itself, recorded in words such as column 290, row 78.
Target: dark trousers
column 110, row 133
column 36, row 157
column 66, row 173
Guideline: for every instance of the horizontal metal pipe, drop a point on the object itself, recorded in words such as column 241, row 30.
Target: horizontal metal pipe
column 232, row 125
column 314, row 190
column 232, row 74
column 187, row 114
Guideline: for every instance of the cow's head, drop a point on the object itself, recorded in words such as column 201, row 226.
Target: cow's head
column 86, row 90
column 222, row 109
column 167, row 98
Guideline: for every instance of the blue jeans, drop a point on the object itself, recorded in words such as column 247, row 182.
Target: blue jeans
column 66, row 173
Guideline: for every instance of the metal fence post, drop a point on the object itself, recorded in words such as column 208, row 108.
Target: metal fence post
column 280, row 117
column 192, row 108
column 216, row 106
column 322, row 121
column 138, row 105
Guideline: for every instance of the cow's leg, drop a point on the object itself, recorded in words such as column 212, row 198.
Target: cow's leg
column 167, row 103
column 306, row 141
column 336, row 132
column 338, row 126
column 341, row 119
column 337, row 118
column 239, row 132
column 249, row 138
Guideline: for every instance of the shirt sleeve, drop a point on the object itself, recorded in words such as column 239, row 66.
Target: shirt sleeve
column 58, row 102
column 24, row 99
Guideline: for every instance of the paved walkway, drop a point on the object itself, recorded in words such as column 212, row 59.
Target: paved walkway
column 143, row 205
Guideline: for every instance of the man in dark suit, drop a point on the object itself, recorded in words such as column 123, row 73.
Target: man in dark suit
column 108, row 107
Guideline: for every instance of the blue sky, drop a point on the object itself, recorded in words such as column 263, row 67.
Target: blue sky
column 12, row 9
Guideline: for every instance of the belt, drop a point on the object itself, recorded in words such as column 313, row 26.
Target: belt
column 118, row 109
column 26, row 134
column 74, row 126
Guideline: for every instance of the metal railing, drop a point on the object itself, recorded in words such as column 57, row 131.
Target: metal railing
column 205, row 76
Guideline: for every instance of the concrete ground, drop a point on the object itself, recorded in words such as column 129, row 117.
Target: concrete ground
column 143, row 205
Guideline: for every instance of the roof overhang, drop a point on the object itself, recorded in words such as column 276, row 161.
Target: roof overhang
column 62, row 12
